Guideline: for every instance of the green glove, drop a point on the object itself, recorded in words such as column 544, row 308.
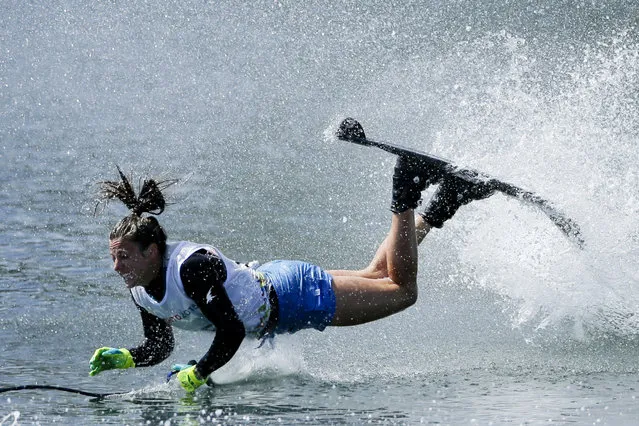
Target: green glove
column 110, row 358
column 188, row 377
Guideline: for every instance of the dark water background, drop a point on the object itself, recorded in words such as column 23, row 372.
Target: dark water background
column 513, row 325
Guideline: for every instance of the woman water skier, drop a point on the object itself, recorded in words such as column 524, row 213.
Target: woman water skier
column 194, row 286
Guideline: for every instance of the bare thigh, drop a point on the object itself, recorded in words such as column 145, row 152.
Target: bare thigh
column 360, row 299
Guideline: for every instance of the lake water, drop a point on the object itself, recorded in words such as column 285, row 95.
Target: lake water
column 514, row 324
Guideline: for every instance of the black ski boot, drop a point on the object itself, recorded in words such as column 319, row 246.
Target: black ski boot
column 453, row 192
column 410, row 178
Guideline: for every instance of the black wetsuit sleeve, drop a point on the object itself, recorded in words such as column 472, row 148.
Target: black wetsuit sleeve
column 203, row 275
column 158, row 341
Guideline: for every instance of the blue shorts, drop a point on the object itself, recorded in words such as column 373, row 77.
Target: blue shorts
column 304, row 294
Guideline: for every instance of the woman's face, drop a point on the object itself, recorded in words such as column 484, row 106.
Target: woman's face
column 137, row 267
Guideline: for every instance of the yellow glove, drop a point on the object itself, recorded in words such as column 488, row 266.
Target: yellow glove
column 110, row 358
column 189, row 379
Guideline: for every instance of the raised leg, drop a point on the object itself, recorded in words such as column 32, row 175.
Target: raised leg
column 389, row 284
column 378, row 267
column 362, row 299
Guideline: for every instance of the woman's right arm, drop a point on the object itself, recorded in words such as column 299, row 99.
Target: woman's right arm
column 158, row 341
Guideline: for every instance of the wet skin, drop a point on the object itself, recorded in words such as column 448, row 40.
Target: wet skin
column 137, row 267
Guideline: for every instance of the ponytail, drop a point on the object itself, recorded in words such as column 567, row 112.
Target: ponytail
column 143, row 230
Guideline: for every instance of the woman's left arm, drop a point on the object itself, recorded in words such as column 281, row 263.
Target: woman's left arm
column 203, row 275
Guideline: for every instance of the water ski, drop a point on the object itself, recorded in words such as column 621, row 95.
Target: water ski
column 351, row 130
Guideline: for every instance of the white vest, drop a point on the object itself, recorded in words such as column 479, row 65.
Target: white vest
column 246, row 288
